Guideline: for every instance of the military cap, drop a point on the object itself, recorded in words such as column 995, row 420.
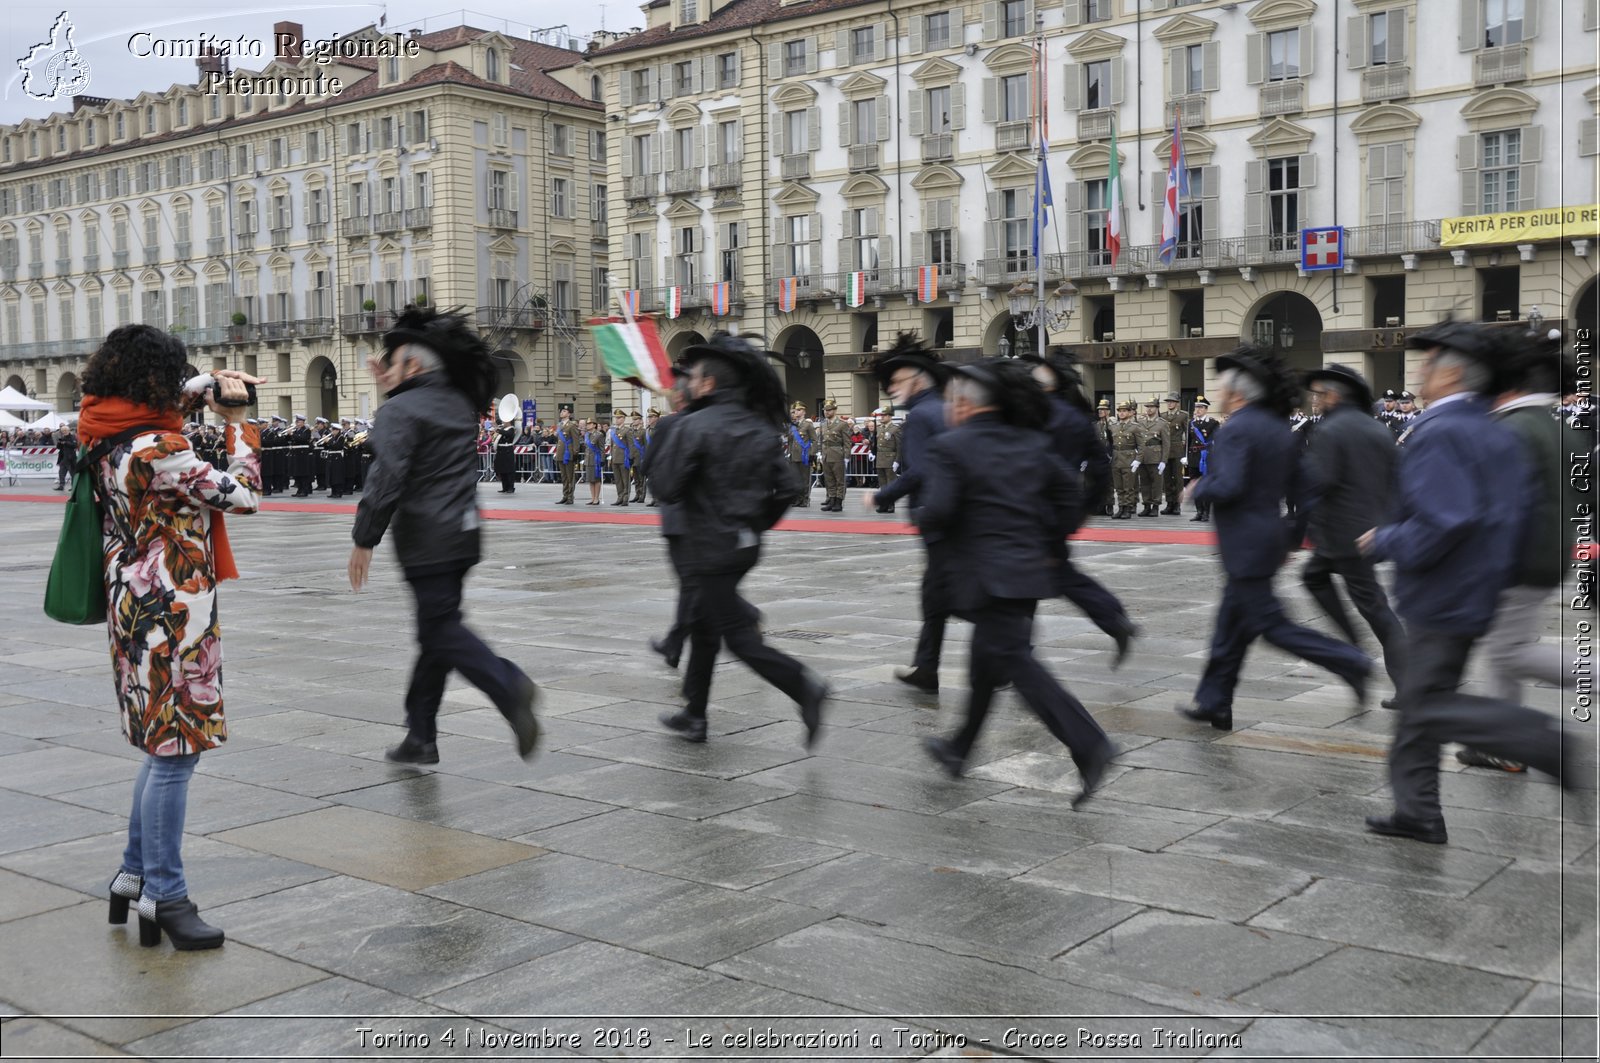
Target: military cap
column 882, row 411
column 654, row 412
column 247, row 420
column 299, row 416
column 830, row 405
column 1201, row 400
column 320, row 420
column 1406, row 396
column 279, row 417
column 1473, row 341
column 619, row 413
column 798, row 406
column 1105, row 404
column 1127, row 404
column 1173, row 396
column 1390, row 396
column 1152, row 402
column 1347, row 376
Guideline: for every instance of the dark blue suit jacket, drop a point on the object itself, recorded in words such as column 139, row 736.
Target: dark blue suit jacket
column 1081, row 446
column 1001, row 501
column 1253, row 466
column 924, row 421
column 1463, row 500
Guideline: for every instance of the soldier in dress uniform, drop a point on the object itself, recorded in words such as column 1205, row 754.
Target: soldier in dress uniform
column 300, row 456
column 333, row 448
column 1386, row 407
column 621, row 460
column 834, row 437
column 636, row 447
column 1202, row 430
column 1177, row 452
column 504, row 439
column 1152, row 460
column 652, row 420
column 272, row 454
column 1126, row 436
column 569, row 454
column 886, row 458
column 1405, row 414
column 1103, row 422
column 594, row 465
column 801, row 444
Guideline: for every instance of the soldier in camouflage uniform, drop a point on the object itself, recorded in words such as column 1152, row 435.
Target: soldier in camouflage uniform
column 801, row 446
column 1126, row 436
column 887, row 457
column 834, row 437
column 1152, row 460
column 1177, row 452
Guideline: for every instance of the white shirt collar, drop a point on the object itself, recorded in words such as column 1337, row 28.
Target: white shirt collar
column 1547, row 402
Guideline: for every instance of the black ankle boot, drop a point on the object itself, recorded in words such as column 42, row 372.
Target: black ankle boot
column 124, row 888
column 181, row 920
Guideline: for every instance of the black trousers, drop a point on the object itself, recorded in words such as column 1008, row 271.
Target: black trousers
column 505, row 467
column 1433, row 711
column 446, row 645
column 935, row 611
column 1090, row 595
column 1370, row 601
column 1248, row 611
column 683, row 616
column 1002, row 651
column 720, row 617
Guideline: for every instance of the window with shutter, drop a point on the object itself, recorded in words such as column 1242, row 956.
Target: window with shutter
column 1500, row 172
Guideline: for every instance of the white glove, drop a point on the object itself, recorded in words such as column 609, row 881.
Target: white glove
column 1162, row 467
column 1183, row 461
column 1135, row 464
column 895, row 465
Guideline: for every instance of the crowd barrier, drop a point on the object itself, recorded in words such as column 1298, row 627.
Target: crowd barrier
column 536, row 463
column 27, row 463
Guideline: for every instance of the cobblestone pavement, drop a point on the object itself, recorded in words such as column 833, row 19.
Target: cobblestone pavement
column 1220, row 887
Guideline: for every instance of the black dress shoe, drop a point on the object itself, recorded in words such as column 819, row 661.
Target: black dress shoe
column 1358, row 683
column 1398, row 826
column 524, row 724
column 1092, row 770
column 182, row 923
column 1390, row 703
column 667, row 653
column 689, row 728
column 811, row 708
column 1124, row 638
column 942, row 751
column 921, row 678
column 412, row 751
column 652, row 503
column 1222, row 721
column 1196, row 517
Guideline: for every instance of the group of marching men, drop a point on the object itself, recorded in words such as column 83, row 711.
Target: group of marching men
column 322, row 455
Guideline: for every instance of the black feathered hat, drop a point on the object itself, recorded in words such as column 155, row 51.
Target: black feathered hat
column 1282, row 391
column 467, row 361
column 1347, row 376
column 1018, row 397
column 909, row 352
column 746, row 367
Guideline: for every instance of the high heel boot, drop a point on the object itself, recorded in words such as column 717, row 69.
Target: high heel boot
column 124, row 888
column 181, row 920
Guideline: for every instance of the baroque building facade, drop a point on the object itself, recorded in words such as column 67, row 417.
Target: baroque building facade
column 281, row 233
column 779, row 146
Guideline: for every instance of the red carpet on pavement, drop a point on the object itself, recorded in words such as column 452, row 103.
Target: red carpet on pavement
column 841, row 525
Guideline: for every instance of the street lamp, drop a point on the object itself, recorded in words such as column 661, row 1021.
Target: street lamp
column 1033, row 312
column 1535, row 320
column 1286, row 335
column 1004, row 347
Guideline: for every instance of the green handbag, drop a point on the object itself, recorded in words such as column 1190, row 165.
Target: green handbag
column 75, row 593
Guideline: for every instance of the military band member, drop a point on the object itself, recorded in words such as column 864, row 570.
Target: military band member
column 801, row 445
column 273, row 456
column 621, row 460
column 505, row 456
column 300, row 456
column 1177, row 452
column 886, row 458
column 1202, row 429
column 834, row 437
column 358, row 454
column 568, row 454
column 594, row 443
column 636, row 447
column 333, row 449
column 1152, row 460
column 1126, row 436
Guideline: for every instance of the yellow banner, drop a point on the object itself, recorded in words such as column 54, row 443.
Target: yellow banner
column 1521, row 227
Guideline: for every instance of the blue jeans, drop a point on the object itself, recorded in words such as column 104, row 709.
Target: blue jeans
column 155, row 826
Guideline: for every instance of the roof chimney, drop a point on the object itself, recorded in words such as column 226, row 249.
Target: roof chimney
column 287, row 38
column 208, row 61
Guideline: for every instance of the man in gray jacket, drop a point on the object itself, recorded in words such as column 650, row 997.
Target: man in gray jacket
column 435, row 373
column 1353, row 461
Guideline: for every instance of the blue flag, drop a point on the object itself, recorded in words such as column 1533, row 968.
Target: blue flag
column 1041, row 211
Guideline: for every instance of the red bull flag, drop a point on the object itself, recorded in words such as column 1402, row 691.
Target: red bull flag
column 855, row 288
column 927, row 283
column 675, row 301
column 632, row 350
column 719, row 298
column 787, row 287
column 630, row 302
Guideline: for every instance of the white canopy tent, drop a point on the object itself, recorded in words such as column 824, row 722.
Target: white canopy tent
column 12, row 399
column 51, row 421
column 8, row 420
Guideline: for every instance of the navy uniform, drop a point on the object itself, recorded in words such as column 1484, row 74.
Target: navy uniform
column 1152, row 458
column 568, row 455
column 1254, row 467
column 1202, row 430
column 1177, row 453
column 800, row 444
column 618, row 439
column 834, row 438
column 505, row 457
column 1126, row 436
column 300, row 456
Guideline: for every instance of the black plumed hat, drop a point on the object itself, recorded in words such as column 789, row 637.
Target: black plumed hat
column 1017, row 395
column 467, row 361
column 1282, row 390
column 909, row 352
column 1345, row 375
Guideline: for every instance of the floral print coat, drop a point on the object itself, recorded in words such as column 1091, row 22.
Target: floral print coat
column 161, row 599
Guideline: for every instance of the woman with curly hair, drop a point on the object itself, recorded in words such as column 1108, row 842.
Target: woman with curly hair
column 165, row 552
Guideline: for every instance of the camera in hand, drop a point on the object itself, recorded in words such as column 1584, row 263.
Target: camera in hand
column 206, row 386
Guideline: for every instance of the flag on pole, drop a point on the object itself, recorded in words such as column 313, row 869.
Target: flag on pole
column 927, row 283
column 1114, row 201
column 786, row 293
column 675, row 301
column 1042, row 202
column 1177, row 192
column 633, row 351
column 719, row 298
column 855, row 288
column 630, row 302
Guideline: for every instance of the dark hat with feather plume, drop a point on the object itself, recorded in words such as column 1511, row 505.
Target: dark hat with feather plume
column 1282, row 390
column 909, row 352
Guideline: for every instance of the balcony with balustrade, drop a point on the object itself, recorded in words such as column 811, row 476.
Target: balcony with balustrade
column 17, row 352
column 1013, row 136
column 216, row 245
column 1191, row 108
column 905, row 280
column 1382, row 83
column 516, row 317
column 641, row 186
column 795, row 167
column 367, row 321
column 181, row 250
column 390, row 221
column 214, row 335
column 279, row 238
column 724, row 175
column 938, row 147
column 693, row 297
column 63, row 266
column 419, row 217
column 299, row 328
column 1394, row 238
column 119, row 260
column 246, row 241
column 316, row 231
column 502, row 218
column 1282, row 97
column 152, row 254
column 1094, row 125
column 354, row 227
column 91, row 263
column 808, row 286
column 1498, row 66
column 863, row 158
column 1013, row 267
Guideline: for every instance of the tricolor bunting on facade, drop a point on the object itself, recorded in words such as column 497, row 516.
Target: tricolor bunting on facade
column 1177, row 192
column 630, row 302
column 1114, row 201
column 927, row 283
column 632, row 350
column 855, row 288
column 786, row 294
column 675, row 301
column 719, row 298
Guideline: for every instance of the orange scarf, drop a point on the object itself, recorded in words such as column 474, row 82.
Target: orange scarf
column 101, row 418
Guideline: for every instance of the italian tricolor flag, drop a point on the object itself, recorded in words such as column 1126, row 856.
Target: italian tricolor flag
column 855, row 287
column 633, row 351
column 1114, row 201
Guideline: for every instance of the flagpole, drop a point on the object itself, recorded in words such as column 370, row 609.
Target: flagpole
column 1040, row 127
